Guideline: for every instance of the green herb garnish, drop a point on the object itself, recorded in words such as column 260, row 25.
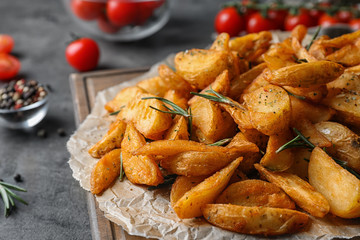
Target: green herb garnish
column 8, row 196
column 313, row 38
column 121, row 176
column 221, row 142
column 168, row 180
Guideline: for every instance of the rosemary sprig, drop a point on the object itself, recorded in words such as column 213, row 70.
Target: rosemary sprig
column 8, row 196
column 217, row 98
column 121, row 176
column 221, row 142
column 313, row 38
column 176, row 110
column 294, row 95
column 116, row 112
column 301, row 141
column 168, row 180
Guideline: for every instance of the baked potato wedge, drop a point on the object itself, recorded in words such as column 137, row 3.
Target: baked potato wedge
column 122, row 98
column 340, row 187
column 179, row 130
column 255, row 220
column 190, row 204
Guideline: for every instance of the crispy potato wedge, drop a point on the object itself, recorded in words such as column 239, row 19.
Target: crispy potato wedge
column 221, row 42
column 345, row 143
column 259, row 81
column 255, row 220
column 138, row 169
column 200, row 67
column 177, row 98
column 253, row 192
column 348, row 80
column 300, row 164
column 349, row 55
column 190, row 204
column 256, row 137
column 106, row 170
column 340, row 187
column 306, row 74
column 112, row 139
column 178, row 131
column 275, row 62
column 122, row 98
column 269, row 108
column 278, row 161
column 309, row 130
column 315, row 113
column 340, row 41
column 196, row 163
column 304, row 195
column 318, row 50
column 347, row 106
column 240, row 82
column 314, row 94
column 182, row 185
column 299, row 32
column 300, row 52
column 173, row 147
column 154, row 85
column 151, row 123
column 239, row 114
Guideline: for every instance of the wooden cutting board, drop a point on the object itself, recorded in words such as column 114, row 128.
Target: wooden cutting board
column 83, row 90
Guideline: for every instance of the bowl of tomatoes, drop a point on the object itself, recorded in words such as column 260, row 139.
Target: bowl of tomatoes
column 119, row 20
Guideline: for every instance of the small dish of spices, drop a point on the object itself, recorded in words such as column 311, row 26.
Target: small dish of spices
column 23, row 104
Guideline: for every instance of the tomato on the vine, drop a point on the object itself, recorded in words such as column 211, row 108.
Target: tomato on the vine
column 302, row 17
column 344, row 16
column 6, row 43
column 315, row 14
column 83, row 54
column 87, row 10
column 326, row 20
column 230, row 21
column 355, row 24
column 258, row 23
column 278, row 16
column 9, row 66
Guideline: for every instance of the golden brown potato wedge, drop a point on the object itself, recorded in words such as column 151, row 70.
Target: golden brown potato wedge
column 200, row 67
column 173, row 147
column 278, row 161
column 256, row 137
column 255, row 220
column 340, row 187
column 106, row 170
column 177, row 98
column 349, row 55
column 178, row 131
column 269, row 108
column 239, row 114
column 275, row 62
column 255, row 193
column 196, row 163
column 150, row 122
column 300, row 52
column 122, row 98
column 306, row 74
column 221, row 42
column 259, row 81
column 239, row 83
column 300, row 164
column 112, row 139
column 345, row 143
column 340, row 41
column 318, row 50
column 304, row 195
column 190, row 204
column 154, row 85
column 138, row 169
column 299, row 32
column 182, row 185
column 348, row 80
column 313, row 94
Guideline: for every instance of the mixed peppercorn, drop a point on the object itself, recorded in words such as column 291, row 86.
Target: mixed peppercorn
column 20, row 93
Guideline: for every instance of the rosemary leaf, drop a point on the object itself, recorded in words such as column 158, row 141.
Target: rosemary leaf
column 121, row 176
column 12, row 194
column 168, row 180
column 306, row 140
column 116, row 112
column 7, row 196
column 5, row 199
column 221, row 142
column 294, row 95
column 11, row 186
column 313, row 38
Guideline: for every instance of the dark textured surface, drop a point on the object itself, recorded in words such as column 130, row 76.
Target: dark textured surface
column 57, row 205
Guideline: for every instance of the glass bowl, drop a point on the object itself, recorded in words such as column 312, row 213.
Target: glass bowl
column 119, row 20
column 25, row 117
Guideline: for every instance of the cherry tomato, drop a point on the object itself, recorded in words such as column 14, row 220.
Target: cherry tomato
column 87, row 10
column 230, row 21
column 326, row 20
column 6, row 43
column 9, row 66
column 316, row 14
column 278, row 16
column 303, row 17
column 153, row 4
column 355, row 24
column 145, row 11
column 105, row 26
column 83, row 54
column 122, row 12
column 344, row 16
column 258, row 23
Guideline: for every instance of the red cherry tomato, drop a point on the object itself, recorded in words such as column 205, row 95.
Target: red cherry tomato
column 326, row 20
column 303, row 18
column 355, row 24
column 105, row 26
column 122, row 12
column 316, row 14
column 344, row 16
column 278, row 16
column 258, row 23
column 6, row 43
column 9, row 66
column 145, row 11
column 87, row 10
column 83, row 54
column 153, row 4
column 230, row 21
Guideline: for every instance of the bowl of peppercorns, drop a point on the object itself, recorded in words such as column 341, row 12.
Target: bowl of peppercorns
column 23, row 104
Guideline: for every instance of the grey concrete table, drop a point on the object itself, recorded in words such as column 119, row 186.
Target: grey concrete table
column 57, row 205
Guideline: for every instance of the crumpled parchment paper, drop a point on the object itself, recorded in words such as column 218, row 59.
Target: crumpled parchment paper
column 148, row 213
